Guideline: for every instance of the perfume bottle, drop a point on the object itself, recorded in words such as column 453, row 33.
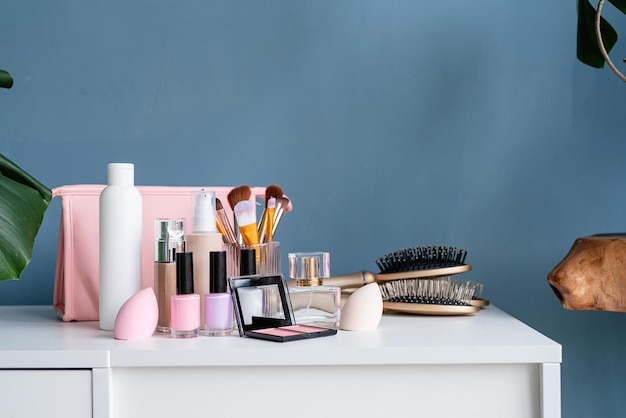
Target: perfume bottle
column 313, row 303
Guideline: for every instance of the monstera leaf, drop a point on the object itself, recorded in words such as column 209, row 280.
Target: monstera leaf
column 6, row 80
column 23, row 202
column 587, row 49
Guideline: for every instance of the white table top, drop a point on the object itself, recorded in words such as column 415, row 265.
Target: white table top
column 34, row 337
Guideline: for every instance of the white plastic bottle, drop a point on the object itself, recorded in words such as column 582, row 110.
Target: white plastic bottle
column 120, row 242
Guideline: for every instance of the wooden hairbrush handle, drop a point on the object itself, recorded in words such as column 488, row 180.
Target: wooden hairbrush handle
column 358, row 279
column 362, row 278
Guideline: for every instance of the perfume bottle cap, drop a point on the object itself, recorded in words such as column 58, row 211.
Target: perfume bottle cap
column 309, row 269
column 169, row 237
column 217, row 262
column 204, row 211
column 247, row 262
column 184, row 273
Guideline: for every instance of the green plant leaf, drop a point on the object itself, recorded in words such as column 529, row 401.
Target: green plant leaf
column 23, row 202
column 587, row 49
column 620, row 4
column 6, row 80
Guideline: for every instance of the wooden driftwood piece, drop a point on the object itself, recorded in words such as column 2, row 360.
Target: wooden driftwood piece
column 592, row 276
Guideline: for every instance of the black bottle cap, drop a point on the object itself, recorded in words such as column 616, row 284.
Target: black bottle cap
column 217, row 269
column 247, row 265
column 184, row 273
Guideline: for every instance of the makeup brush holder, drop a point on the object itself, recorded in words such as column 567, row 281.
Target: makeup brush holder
column 233, row 260
column 267, row 258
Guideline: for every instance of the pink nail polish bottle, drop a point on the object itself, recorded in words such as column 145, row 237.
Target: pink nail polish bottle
column 185, row 304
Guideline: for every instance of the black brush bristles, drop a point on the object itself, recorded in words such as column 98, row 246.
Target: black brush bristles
column 421, row 258
column 432, row 291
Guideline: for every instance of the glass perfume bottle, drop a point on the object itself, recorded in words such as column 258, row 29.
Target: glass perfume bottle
column 313, row 303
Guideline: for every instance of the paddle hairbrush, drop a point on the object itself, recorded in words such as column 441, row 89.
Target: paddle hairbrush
column 409, row 263
column 430, row 296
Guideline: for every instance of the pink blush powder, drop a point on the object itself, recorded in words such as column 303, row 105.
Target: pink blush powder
column 303, row 328
column 279, row 332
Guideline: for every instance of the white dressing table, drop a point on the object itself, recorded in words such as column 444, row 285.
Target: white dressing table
column 485, row 365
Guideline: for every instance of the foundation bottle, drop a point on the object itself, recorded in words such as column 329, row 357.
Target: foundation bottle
column 313, row 302
column 169, row 239
column 202, row 240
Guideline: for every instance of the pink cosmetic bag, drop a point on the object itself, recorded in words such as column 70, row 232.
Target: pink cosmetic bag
column 77, row 269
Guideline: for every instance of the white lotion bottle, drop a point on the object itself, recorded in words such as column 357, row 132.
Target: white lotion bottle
column 120, row 242
column 203, row 240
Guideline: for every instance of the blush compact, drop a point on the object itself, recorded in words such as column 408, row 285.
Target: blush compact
column 263, row 310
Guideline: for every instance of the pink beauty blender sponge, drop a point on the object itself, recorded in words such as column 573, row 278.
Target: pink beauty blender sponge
column 137, row 317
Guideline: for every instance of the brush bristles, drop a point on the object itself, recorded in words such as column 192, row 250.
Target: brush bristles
column 421, row 258
column 245, row 213
column 478, row 293
column 287, row 205
column 439, row 291
column 273, row 191
column 239, row 194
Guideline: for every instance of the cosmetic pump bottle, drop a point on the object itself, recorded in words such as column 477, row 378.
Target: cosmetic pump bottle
column 185, row 304
column 169, row 240
column 204, row 239
column 313, row 303
column 120, row 212
column 218, row 305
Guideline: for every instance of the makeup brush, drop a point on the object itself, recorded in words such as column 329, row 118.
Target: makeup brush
column 271, row 192
column 222, row 220
column 269, row 220
column 236, row 195
column 220, row 229
column 245, row 214
column 409, row 263
column 283, row 205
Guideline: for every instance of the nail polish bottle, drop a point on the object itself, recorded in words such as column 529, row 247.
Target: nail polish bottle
column 313, row 303
column 169, row 240
column 247, row 259
column 203, row 239
column 218, row 305
column 185, row 304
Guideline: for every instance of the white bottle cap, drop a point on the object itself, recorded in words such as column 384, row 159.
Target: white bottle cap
column 121, row 174
column 204, row 211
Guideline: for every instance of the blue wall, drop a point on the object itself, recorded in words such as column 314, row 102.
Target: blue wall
column 389, row 123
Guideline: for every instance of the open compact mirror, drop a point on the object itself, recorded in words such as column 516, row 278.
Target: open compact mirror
column 263, row 310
